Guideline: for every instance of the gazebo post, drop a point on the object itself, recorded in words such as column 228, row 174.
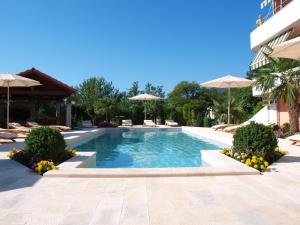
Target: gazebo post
column 57, row 112
column 69, row 112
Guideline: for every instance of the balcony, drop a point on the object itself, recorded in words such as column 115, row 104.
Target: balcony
column 284, row 17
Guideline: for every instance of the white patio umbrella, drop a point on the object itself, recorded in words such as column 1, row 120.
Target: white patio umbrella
column 228, row 82
column 144, row 98
column 288, row 49
column 11, row 80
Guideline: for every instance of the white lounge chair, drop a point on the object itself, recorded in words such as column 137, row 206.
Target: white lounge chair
column 19, row 127
column 171, row 123
column 221, row 126
column 149, row 123
column 59, row 127
column 295, row 139
column 127, row 123
column 232, row 129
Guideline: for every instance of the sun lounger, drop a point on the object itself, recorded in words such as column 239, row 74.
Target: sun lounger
column 149, row 123
column 295, row 139
column 232, row 129
column 8, row 136
column 127, row 123
column 171, row 123
column 221, row 126
column 59, row 127
column 19, row 127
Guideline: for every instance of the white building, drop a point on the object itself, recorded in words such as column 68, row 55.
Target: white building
column 282, row 23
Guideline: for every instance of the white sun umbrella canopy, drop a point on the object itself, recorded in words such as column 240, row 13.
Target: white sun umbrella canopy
column 228, row 82
column 10, row 80
column 145, row 97
column 288, row 49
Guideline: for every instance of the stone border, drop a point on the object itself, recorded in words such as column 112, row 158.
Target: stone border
column 219, row 165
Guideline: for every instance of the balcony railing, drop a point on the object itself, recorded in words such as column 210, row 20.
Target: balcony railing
column 272, row 11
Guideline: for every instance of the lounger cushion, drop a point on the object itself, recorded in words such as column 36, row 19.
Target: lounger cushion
column 62, row 128
column 127, row 122
column 295, row 137
column 32, row 124
column 149, row 123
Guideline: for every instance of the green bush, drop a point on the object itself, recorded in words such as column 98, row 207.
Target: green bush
column 255, row 139
column 46, row 144
column 207, row 121
column 199, row 121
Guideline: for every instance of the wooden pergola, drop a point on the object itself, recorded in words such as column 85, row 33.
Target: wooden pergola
column 51, row 90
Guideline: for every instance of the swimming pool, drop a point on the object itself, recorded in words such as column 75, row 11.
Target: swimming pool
column 159, row 148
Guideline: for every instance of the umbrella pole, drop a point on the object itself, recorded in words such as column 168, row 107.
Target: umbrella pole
column 7, row 115
column 228, row 121
column 145, row 110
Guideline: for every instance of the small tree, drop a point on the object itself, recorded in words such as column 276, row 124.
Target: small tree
column 89, row 93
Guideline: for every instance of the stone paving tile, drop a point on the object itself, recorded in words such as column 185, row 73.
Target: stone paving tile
column 134, row 214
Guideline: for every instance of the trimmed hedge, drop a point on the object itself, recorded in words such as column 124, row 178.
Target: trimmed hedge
column 45, row 143
column 255, row 139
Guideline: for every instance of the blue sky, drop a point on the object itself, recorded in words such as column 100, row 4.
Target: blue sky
column 160, row 41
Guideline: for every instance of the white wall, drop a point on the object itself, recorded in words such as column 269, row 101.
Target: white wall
column 286, row 18
column 268, row 114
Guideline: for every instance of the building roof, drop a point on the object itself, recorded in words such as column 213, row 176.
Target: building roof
column 51, row 88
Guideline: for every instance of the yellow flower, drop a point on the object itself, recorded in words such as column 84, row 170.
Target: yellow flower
column 254, row 157
column 253, row 160
column 248, row 162
column 261, row 158
column 256, row 166
column 266, row 164
column 262, row 167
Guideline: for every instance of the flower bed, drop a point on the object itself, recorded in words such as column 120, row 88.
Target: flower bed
column 36, row 163
column 45, row 148
column 255, row 161
column 256, row 146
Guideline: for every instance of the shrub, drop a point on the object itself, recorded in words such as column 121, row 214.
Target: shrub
column 255, row 139
column 286, row 127
column 45, row 143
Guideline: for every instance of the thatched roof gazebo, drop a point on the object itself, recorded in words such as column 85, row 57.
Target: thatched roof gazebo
column 51, row 90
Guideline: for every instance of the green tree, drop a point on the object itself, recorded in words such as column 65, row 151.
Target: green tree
column 282, row 79
column 155, row 108
column 89, row 93
column 97, row 96
column 186, row 101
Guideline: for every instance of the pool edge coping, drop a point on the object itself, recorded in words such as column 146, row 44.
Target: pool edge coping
column 219, row 165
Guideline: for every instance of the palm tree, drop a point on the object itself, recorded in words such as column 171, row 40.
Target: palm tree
column 237, row 115
column 281, row 78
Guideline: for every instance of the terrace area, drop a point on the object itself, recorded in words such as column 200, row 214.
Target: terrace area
column 270, row 198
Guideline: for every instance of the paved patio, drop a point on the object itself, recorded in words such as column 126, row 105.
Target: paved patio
column 272, row 198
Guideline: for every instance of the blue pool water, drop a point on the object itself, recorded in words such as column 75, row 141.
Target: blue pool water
column 146, row 149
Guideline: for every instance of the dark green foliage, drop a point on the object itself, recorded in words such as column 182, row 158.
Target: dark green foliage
column 186, row 101
column 206, row 121
column 286, row 127
column 255, row 139
column 199, row 121
column 46, row 144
